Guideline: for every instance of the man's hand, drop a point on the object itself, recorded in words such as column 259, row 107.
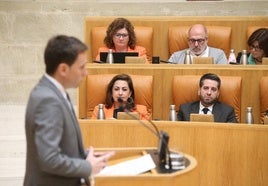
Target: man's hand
column 98, row 160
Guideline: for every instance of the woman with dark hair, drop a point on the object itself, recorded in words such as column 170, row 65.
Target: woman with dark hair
column 120, row 96
column 120, row 37
column 258, row 45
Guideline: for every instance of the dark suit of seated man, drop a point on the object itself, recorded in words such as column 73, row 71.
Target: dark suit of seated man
column 208, row 92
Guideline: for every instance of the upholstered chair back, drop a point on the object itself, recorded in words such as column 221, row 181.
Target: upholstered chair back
column 97, row 85
column 218, row 37
column 263, row 97
column 144, row 37
column 251, row 29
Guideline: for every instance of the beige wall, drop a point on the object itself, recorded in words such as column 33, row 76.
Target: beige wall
column 26, row 25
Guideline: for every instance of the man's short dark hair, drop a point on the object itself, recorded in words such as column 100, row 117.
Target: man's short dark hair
column 211, row 77
column 62, row 49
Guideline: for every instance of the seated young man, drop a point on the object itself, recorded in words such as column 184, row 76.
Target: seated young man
column 208, row 92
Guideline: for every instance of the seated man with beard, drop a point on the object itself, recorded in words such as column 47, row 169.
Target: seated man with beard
column 208, row 92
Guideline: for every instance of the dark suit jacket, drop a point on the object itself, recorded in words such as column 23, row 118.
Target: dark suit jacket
column 221, row 112
column 55, row 153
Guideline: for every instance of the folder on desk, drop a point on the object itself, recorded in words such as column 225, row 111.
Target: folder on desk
column 203, row 60
column 202, row 117
column 128, row 116
column 135, row 60
column 265, row 60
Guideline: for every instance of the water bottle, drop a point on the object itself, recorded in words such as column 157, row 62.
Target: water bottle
column 101, row 114
column 187, row 58
column 244, row 58
column 265, row 121
column 232, row 58
column 249, row 116
column 172, row 114
column 110, row 57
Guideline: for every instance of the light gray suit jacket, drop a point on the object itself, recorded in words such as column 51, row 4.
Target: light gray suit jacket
column 55, row 153
column 222, row 112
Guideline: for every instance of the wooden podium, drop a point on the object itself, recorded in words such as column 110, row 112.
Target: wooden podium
column 227, row 154
column 187, row 176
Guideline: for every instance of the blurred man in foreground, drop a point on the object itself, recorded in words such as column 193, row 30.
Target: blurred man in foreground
column 55, row 153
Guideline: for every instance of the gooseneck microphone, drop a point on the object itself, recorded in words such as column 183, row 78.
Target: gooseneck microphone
column 163, row 137
column 163, row 61
column 127, row 110
column 119, row 109
column 97, row 61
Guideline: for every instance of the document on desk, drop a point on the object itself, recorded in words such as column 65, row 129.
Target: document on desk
column 130, row 167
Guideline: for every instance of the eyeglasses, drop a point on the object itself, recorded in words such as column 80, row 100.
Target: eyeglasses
column 255, row 47
column 199, row 41
column 118, row 35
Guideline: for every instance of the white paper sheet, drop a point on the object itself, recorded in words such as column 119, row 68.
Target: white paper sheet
column 130, row 167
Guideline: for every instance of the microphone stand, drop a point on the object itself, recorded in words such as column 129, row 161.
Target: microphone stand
column 163, row 137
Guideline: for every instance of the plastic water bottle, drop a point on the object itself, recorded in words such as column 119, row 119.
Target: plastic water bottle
column 249, row 116
column 172, row 114
column 244, row 58
column 101, row 114
column 232, row 58
column 110, row 57
column 187, row 58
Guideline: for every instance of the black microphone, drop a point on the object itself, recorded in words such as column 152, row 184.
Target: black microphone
column 120, row 109
column 129, row 104
column 163, row 61
column 96, row 61
column 120, row 100
column 163, row 137
column 127, row 110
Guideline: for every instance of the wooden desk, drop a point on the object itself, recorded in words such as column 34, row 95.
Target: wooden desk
column 227, row 154
column 163, row 76
column 186, row 177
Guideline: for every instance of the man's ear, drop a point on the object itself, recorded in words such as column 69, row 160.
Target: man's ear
column 198, row 92
column 63, row 69
column 218, row 94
